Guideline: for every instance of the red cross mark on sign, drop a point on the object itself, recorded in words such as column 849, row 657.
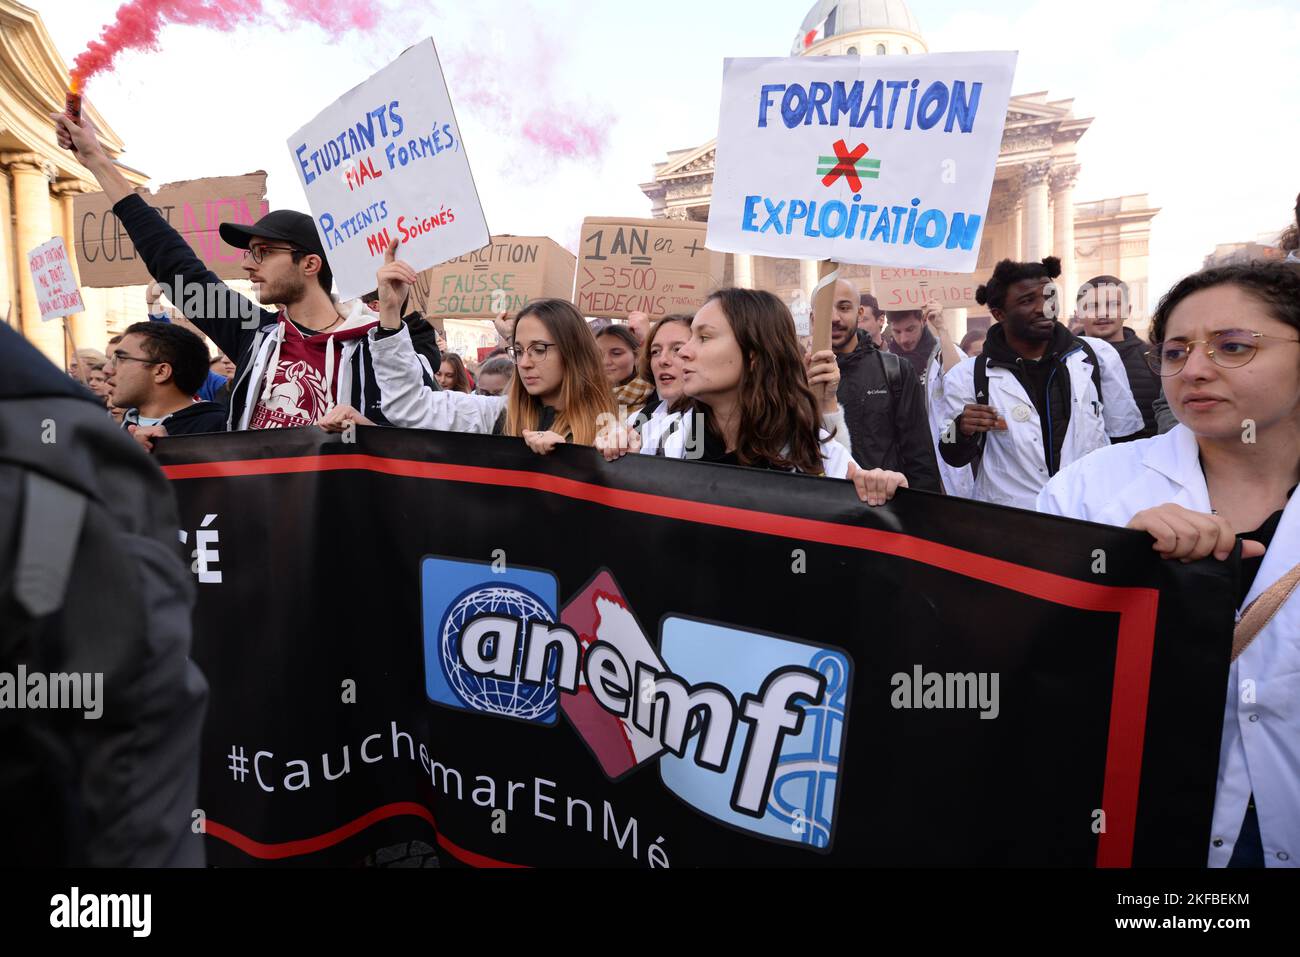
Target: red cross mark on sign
column 846, row 165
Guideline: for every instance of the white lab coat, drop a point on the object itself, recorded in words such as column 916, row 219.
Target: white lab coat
column 835, row 457
column 959, row 482
column 410, row 404
column 1014, row 467
column 1260, row 749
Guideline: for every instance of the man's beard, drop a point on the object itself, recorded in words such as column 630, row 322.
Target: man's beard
column 286, row 292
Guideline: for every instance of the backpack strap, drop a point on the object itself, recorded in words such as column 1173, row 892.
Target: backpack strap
column 1261, row 611
column 1096, row 365
column 51, row 526
column 981, row 379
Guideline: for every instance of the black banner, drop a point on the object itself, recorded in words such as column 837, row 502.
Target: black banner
column 431, row 647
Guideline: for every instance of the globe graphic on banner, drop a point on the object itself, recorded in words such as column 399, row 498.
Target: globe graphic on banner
column 504, row 696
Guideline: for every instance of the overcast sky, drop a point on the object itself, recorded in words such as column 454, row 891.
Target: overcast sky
column 1195, row 101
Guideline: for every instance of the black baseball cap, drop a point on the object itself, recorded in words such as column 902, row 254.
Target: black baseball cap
column 286, row 225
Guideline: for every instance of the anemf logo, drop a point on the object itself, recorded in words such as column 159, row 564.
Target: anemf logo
column 853, row 166
column 748, row 728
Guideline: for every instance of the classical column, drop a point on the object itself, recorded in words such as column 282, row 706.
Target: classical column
column 8, row 290
column 90, row 327
column 1063, row 180
column 743, row 271
column 808, row 277
column 33, row 226
column 1017, row 251
column 1038, row 220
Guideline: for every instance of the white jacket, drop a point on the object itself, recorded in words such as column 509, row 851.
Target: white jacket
column 959, row 482
column 1260, row 749
column 1014, row 467
column 835, row 457
column 410, row 404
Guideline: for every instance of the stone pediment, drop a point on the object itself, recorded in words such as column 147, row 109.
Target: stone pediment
column 33, row 82
column 694, row 162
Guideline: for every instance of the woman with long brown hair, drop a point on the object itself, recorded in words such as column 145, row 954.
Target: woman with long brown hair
column 452, row 374
column 560, row 393
column 754, row 402
column 618, row 350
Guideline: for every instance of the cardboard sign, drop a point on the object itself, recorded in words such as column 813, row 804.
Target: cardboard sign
column 56, row 286
column 195, row 208
column 898, row 289
column 385, row 162
column 882, row 160
column 503, row 276
column 655, row 266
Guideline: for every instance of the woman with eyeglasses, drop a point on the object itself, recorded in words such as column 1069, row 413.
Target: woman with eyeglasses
column 1225, row 344
column 558, row 394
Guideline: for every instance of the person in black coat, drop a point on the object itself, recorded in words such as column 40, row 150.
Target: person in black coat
column 884, row 404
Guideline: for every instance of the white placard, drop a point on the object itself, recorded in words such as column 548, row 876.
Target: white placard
column 880, row 160
column 386, row 161
column 56, row 286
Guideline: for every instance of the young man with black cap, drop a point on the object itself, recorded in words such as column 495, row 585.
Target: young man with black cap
column 1038, row 397
column 292, row 365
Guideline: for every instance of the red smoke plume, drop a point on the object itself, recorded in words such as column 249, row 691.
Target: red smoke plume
column 138, row 23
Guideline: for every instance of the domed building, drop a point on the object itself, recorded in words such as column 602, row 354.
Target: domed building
column 1032, row 209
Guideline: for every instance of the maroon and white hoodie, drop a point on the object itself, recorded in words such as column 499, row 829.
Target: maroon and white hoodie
column 297, row 378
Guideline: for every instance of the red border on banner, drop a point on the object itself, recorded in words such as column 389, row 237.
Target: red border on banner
column 1137, row 607
column 310, row 845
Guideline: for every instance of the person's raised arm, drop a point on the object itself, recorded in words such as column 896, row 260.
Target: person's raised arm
column 949, row 354
column 219, row 311
column 85, row 142
column 408, row 403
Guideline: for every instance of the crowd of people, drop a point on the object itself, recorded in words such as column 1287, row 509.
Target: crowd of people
column 1192, row 437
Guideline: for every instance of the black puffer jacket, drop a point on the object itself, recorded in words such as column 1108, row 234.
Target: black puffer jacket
column 1144, row 383
column 888, row 431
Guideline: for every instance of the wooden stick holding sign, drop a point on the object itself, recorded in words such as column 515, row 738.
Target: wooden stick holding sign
column 76, row 356
column 823, row 303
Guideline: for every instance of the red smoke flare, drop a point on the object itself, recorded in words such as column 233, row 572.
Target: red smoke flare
column 138, row 23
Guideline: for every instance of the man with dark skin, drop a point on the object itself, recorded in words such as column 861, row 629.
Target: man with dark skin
column 1029, row 321
column 1050, row 397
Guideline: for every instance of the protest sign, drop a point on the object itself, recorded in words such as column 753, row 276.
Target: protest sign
column 503, row 276
column 655, row 266
column 386, row 161
column 56, row 286
column 509, row 664
column 882, row 160
column 195, row 208
column 897, row 289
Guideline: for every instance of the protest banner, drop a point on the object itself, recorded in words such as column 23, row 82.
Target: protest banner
column 898, row 289
column 386, row 161
column 503, row 276
column 655, row 266
column 881, row 160
column 495, row 692
column 195, row 208
column 56, row 286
